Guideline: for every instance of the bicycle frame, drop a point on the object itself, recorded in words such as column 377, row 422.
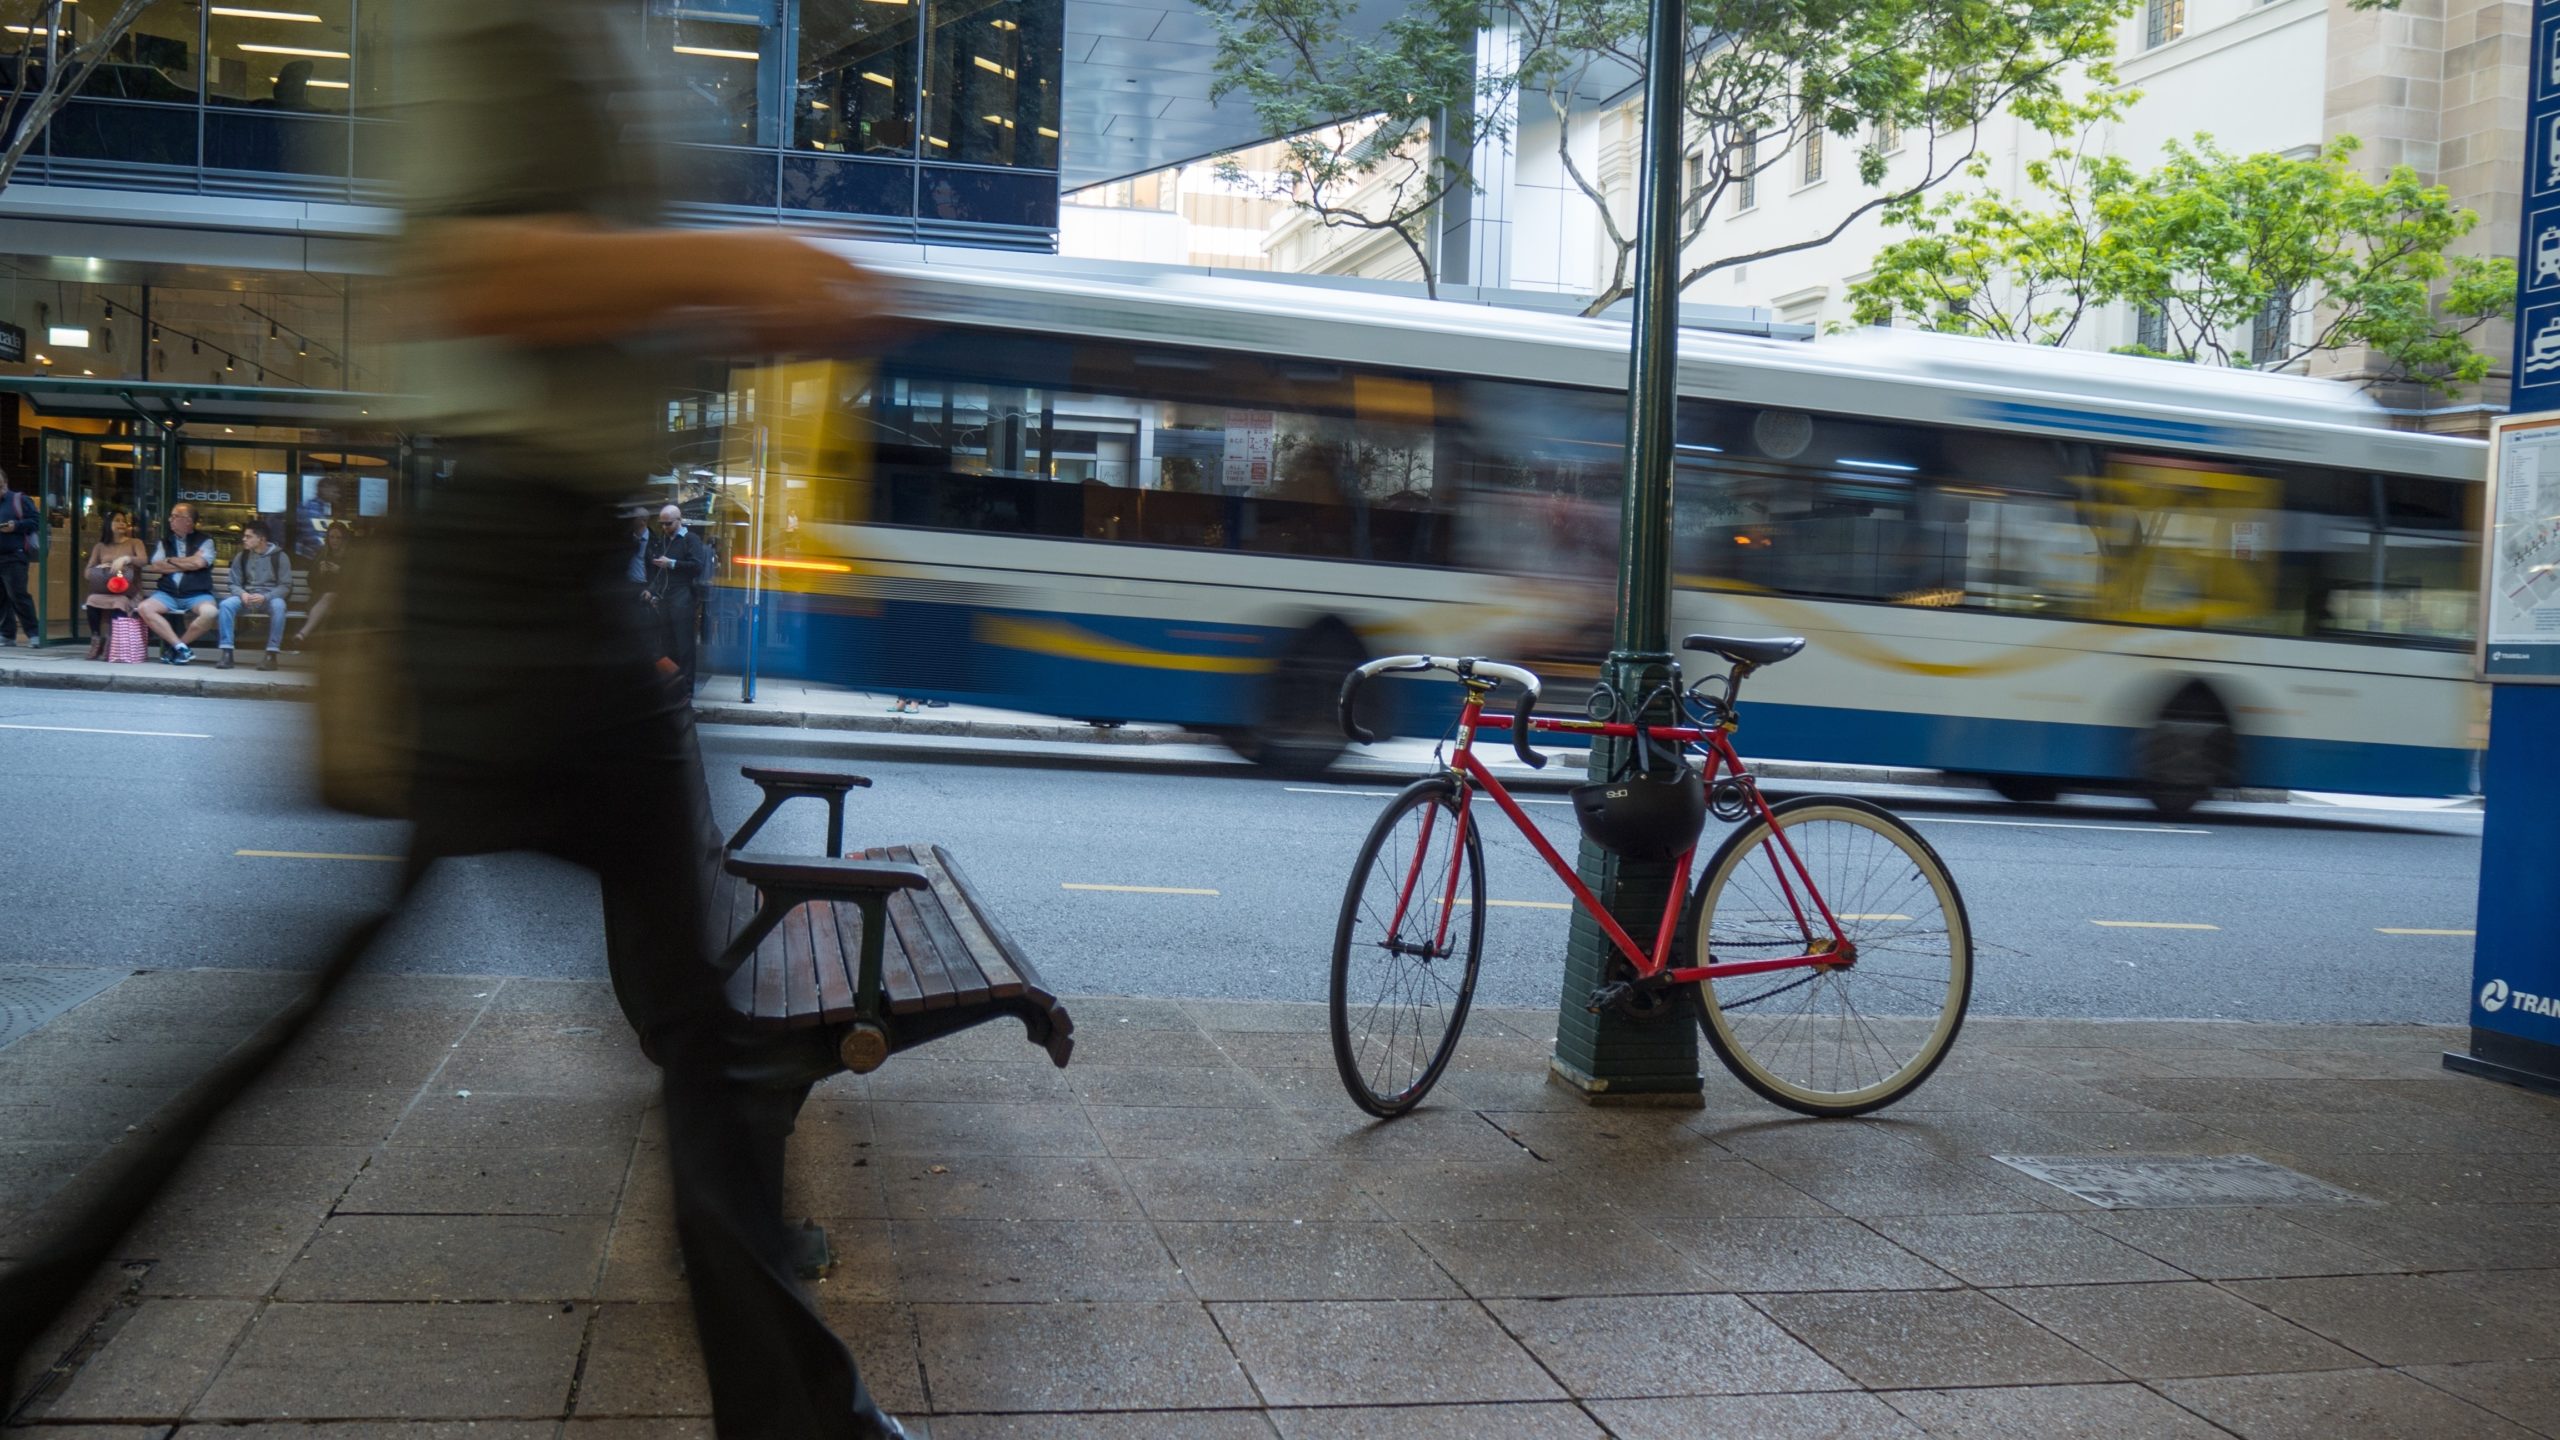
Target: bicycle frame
column 1472, row 775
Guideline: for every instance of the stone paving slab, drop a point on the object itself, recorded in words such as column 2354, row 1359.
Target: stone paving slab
column 449, row 1218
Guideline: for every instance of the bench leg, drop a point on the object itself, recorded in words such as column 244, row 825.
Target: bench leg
column 755, row 822
column 835, row 827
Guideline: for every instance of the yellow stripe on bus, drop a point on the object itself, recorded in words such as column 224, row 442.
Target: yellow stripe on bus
column 1052, row 637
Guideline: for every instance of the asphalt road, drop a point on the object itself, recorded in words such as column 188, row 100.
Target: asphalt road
column 177, row 831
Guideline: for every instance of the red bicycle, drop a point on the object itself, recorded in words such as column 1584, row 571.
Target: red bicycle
column 1828, row 949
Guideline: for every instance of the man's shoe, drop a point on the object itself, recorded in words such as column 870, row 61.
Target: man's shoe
column 226, row 661
column 268, row 662
column 182, row 655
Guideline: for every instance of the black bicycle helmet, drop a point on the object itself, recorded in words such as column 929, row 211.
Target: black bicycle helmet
column 1644, row 817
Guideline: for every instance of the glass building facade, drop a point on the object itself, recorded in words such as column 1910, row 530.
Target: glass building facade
column 927, row 119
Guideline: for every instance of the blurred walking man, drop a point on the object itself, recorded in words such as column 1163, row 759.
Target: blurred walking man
column 556, row 314
column 678, row 563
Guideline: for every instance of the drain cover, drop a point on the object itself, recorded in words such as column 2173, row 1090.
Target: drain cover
column 2163, row 1182
column 30, row 998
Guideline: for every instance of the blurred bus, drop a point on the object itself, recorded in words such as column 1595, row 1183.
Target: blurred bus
column 1124, row 497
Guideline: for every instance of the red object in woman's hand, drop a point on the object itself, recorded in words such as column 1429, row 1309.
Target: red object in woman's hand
column 117, row 584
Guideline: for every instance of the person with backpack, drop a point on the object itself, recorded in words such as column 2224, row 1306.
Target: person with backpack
column 21, row 541
column 262, row 582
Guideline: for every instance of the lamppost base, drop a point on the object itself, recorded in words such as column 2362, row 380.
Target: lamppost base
column 1628, row 1092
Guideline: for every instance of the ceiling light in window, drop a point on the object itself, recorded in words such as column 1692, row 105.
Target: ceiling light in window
column 820, row 105
column 238, row 13
column 716, row 53
column 326, row 84
column 69, row 337
column 1045, row 130
column 1893, row 466
column 997, row 120
column 291, row 50
column 999, row 24
column 937, row 142
column 984, row 63
column 876, row 78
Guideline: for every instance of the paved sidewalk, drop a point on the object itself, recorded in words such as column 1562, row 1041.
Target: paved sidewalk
column 451, row 1208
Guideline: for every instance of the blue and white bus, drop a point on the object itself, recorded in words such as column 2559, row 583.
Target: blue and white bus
column 1120, row 496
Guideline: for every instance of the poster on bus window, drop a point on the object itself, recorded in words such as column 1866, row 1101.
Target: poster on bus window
column 1248, row 449
column 2520, row 611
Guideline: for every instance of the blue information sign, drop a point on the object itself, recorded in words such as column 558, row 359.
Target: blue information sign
column 2515, row 955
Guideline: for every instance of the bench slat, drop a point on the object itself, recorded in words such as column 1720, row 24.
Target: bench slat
column 965, row 966
column 933, row 980
column 1003, row 981
column 800, row 962
column 947, row 871
column 839, row 973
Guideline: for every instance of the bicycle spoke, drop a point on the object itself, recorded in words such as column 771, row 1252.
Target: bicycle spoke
column 1405, row 952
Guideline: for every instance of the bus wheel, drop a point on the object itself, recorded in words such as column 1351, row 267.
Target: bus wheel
column 2025, row 789
column 2188, row 753
column 1299, row 733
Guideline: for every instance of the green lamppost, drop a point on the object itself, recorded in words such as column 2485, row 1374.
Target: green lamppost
column 1608, row 1056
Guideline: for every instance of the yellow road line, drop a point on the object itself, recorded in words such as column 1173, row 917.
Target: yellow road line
column 2152, row 925
column 90, row 730
column 1517, row 904
column 2389, row 930
column 1137, row 889
column 1872, row 917
column 314, row 855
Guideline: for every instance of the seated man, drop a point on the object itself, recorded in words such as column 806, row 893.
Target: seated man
column 261, row 579
column 184, row 562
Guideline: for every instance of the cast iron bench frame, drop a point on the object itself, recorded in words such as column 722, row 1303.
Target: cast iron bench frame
column 813, row 939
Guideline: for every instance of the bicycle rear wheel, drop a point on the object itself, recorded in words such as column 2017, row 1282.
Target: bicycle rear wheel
column 1406, row 948
column 1833, row 1040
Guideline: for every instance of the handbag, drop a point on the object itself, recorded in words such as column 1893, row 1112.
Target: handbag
column 366, row 709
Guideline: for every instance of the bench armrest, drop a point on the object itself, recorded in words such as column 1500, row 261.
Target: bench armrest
column 818, row 876
column 835, row 780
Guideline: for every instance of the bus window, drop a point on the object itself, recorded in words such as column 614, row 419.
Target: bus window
column 1818, row 505
column 2405, row 569
column 1203, row 450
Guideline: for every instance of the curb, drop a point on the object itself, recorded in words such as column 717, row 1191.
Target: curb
column 162, row 680
column 731, row 712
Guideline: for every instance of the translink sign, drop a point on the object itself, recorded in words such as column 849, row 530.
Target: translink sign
column 2497, row 995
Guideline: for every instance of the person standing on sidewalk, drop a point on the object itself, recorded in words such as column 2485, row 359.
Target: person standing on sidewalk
column 678, row 562
column 261, row 580
column 555, row 312
column 21, row 538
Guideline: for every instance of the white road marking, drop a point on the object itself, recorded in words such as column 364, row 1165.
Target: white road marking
column 2389, row 930
column 2153, row 925
column 315, row 855
column 2056, row 825
column 1137, row 889
column 86, row 730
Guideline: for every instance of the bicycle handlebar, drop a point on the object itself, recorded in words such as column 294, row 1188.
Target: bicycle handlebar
column 1465, row 669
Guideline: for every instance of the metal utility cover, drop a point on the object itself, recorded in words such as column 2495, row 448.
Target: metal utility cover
column 31, row 998
column 2168, row 1182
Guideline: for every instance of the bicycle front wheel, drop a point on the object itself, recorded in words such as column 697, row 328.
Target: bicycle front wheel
column 1406, row 948
column 1833, row 1039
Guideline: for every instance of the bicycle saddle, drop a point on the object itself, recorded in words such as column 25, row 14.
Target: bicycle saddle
column 1746, row 652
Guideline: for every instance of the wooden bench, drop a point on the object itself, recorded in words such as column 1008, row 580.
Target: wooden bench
column 888, row 949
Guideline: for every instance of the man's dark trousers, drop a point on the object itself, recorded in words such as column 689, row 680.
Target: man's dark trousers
column 549, row 728
column 17, row 606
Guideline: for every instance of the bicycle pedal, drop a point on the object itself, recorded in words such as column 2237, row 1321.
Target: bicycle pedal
column 1608, row 997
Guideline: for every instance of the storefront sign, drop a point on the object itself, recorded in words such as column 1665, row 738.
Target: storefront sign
column 13, row 342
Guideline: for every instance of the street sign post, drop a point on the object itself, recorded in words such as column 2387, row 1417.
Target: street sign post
column 1612, row 1058
column 2515, row 949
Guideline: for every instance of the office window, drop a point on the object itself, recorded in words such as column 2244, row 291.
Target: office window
column 1809, row 154
column 297, row 56
column 2271, row 332
column 724, row 65
column 1693, row 196
column 1746, row 179
column 377, row 27
column 2151, row 329
column 857, row 83
column 2163, row 21
column 156, row 59
column 992, row 82
column 1888, row 137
